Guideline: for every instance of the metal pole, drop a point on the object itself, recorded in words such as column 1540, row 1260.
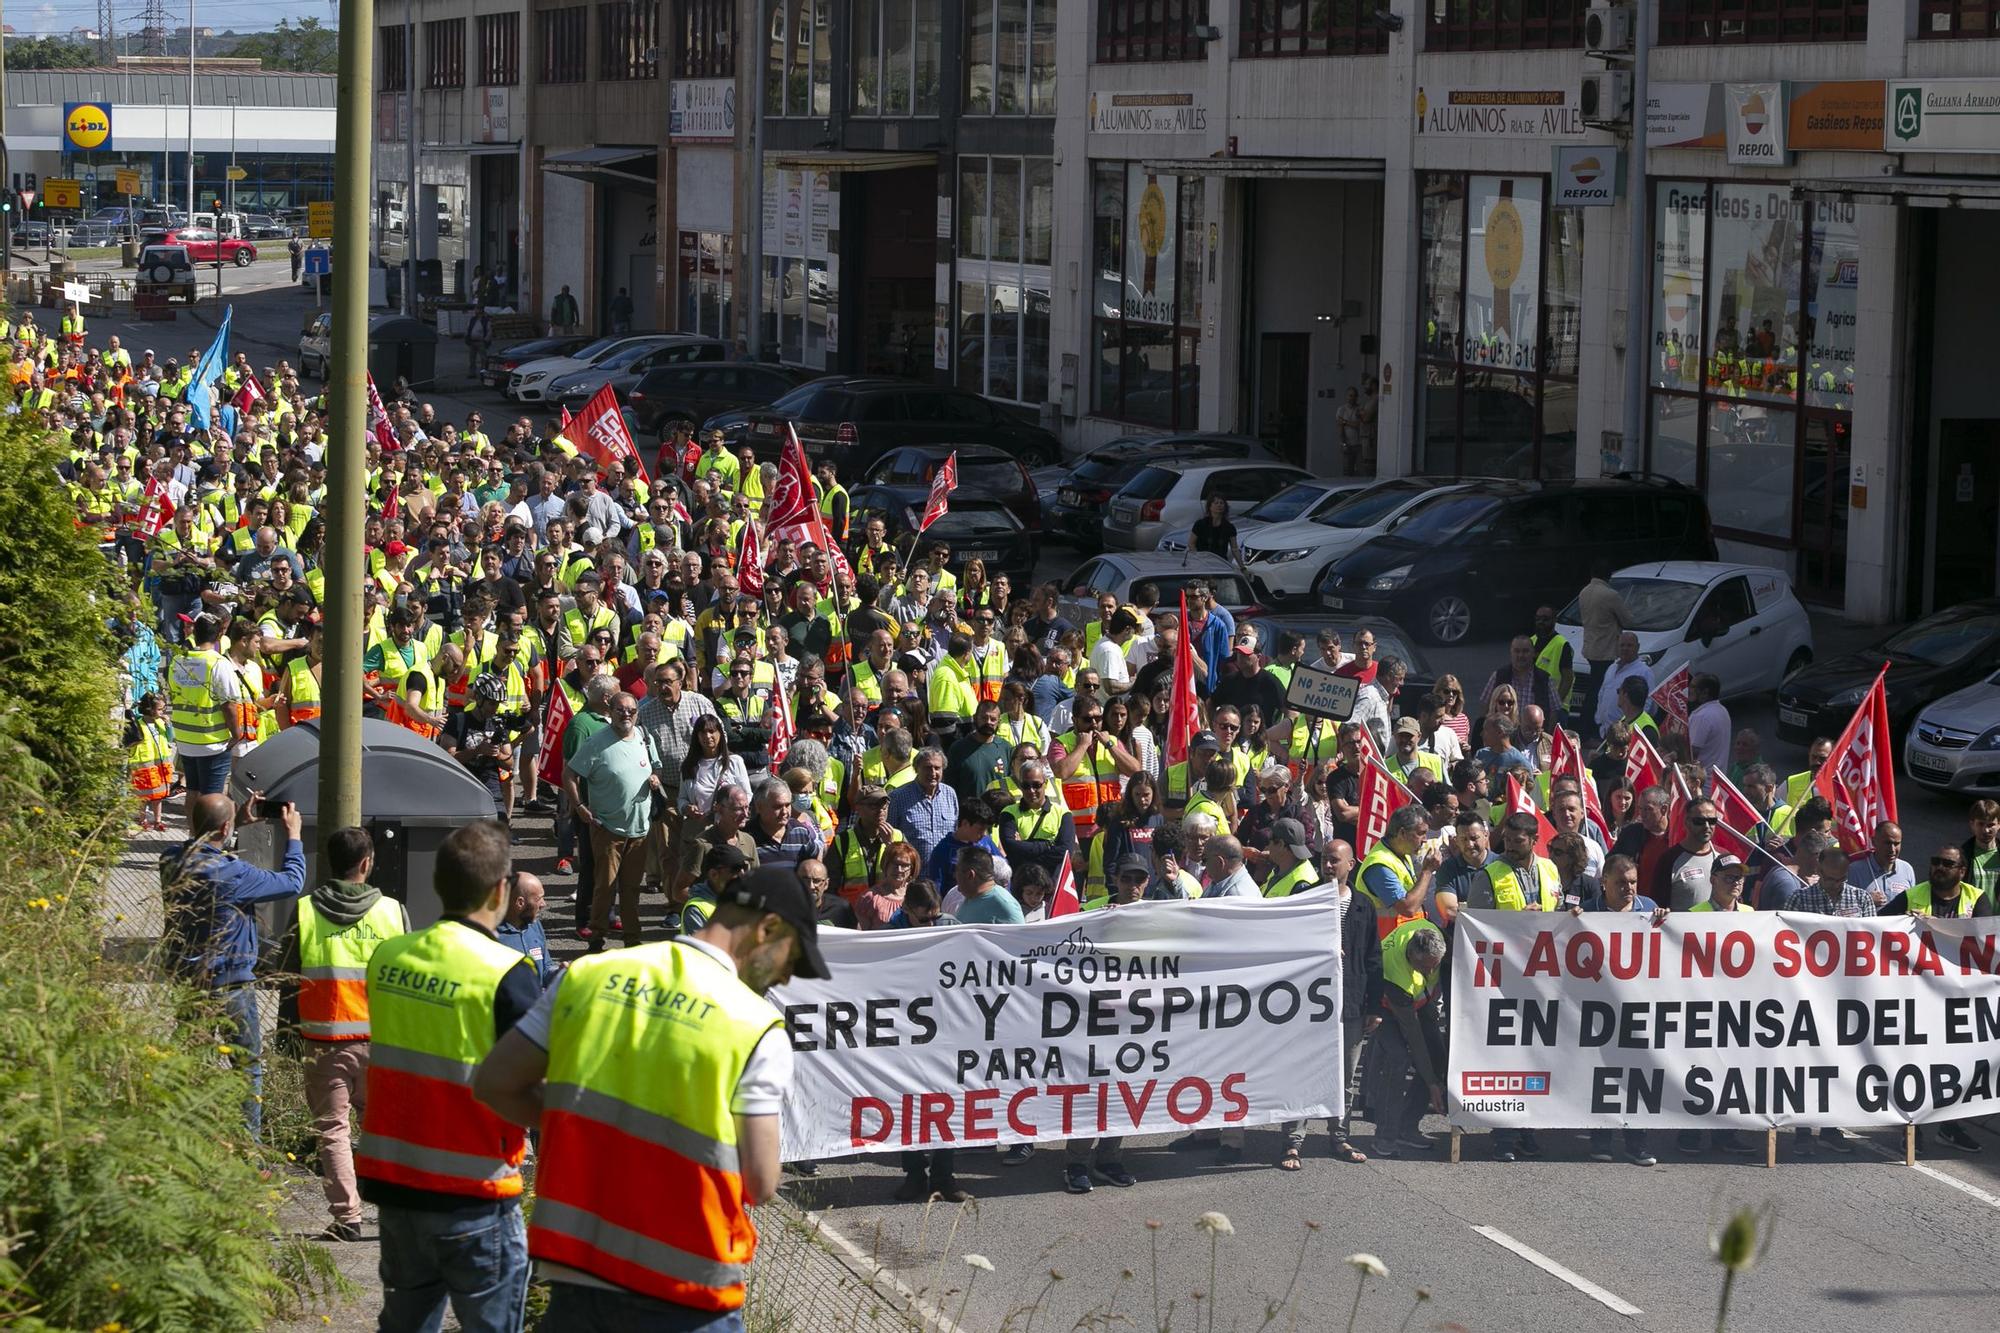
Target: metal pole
column 232, row 154
column 1638, row 265
column 6, row 177
column 410, row 157
column 190, row 113
column 762, row 55
column 347, row 390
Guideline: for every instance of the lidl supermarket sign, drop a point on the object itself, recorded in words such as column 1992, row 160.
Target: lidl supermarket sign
column 87, row 127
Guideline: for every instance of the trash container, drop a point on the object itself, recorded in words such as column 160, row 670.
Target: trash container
column 413, row 795
column 399, row 345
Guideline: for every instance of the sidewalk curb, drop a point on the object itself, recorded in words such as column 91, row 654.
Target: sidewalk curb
column 872, row 1274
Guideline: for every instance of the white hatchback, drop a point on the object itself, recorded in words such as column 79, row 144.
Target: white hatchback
column 1739, row 622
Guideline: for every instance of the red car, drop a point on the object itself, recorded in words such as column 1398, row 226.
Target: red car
column 205, row 246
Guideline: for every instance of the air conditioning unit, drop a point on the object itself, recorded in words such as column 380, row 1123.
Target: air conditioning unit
column 1606, row 97
column 1607, row 30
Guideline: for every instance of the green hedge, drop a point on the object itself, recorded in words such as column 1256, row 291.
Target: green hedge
column 129, row 1196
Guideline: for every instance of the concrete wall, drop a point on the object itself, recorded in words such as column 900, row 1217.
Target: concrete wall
column 564, row 226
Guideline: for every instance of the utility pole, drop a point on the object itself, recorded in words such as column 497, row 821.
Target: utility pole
column 410, row 150
column 1638, row 267
column 6, row 178
column 190, row 136
column 347, row 388
column 232, row 154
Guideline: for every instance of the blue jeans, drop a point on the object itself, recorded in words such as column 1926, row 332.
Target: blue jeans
column 246, row 1033
column 575, row 1308
column 205, row 774
column 478, row 1261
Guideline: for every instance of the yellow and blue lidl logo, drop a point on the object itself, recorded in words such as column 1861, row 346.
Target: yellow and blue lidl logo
column 87, row 126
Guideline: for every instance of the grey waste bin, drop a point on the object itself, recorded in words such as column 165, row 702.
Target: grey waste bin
column 413, row 795
column 399, row 345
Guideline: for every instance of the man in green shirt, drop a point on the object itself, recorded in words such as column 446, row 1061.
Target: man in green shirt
column 592, row 718
column 610, row 781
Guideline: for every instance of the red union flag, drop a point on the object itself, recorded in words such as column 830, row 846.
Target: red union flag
column 1643, row 765
column 1183, row 715
column 750, row 561
column 604, row 435
column 783, row 732
column 555, row 724
column 1381, row 796
column 1859, row 780
column 1368, row 750
column 1736, row 834
column 794, row 500
column 249, row 394
column 1065, row 901
column 1519, row 802
column 157, row 511
column 942, row 485
column 1566, row 761
column 378, row 417
column 1671, row 695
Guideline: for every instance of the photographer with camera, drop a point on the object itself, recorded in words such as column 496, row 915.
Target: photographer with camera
column 483, row 739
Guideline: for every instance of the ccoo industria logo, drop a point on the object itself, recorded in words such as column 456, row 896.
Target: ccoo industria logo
column 87, row 126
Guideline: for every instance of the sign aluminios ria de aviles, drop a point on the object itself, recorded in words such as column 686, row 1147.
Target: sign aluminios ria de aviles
column 87, row 127
column 1587, row 176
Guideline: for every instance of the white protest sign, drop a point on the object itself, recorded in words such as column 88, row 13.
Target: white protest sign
column 1151, row 1018
column 1712, row 1021
column 77, row 291
column 1322, row 693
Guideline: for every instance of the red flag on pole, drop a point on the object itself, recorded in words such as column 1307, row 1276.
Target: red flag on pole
column 1677, row 804
column 1381, row 796
column 1519, row 802
column 783, row 732
column 603, row 435
column 1566, row 761
column 378, row 417
column 562, row 423
column 1736, row 834
column 794, row 500
column 1671, row 695
column 750, row 561
column 1065, row 901
column 157, row 511
column 248, row 394
column 1368, row 750
column 1183, row 717
column 555, row 725
column 942, row 485
column 1859, row 778
column 1643, row 765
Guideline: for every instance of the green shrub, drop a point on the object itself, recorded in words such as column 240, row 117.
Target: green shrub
column 130, row 1197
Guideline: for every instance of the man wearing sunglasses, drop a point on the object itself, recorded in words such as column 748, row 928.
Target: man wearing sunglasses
column 1946, row 893
column 1682, row 879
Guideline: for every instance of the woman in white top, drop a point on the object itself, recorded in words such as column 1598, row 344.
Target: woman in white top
column 709, row 766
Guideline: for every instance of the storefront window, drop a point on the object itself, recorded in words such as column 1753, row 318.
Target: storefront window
column 1148, row 243
column 1753, row 299
column 1501, row 286
column 801, row 277
column 1003, row 276
column 708, row 275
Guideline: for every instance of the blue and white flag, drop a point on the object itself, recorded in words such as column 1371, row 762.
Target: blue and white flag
column 207, row 370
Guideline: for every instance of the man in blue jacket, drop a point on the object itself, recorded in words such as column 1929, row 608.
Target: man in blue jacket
column 211, row 897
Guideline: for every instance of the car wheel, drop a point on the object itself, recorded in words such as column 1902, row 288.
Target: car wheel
column 1448, row 619
column 243, row 258
column 1037, row 455
column 1800, row 660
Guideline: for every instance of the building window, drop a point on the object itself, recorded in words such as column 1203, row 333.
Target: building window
column 801, row 283
column 897, row 45
column 1129, row 31
column 707, row 46
column 1754, row 315
column 444, row 53
column 708, row 283
column 565, row 44
column 395, row 75
column 1318, row 28
column 1010, row 57
column 1501, row 291
column 1006, row 212
column 1146, row 242
column 1957, row 18
column 628, row 40
column 801, row 59
column 1737, row 22
column 1480, row 25
column 500, row 50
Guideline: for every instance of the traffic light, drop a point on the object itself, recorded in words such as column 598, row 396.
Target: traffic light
column 31, row 180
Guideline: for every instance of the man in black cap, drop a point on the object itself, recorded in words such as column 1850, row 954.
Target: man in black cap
column 637, row 1225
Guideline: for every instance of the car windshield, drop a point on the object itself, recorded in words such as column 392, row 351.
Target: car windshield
column 1152, row 483
column 1367, row 508
column 1657, row 605
column 1229, row 589
column 1288, row 504
column 598, row 348
column 1444, row 516
column 993, row 478
column 965, row 521
column 1112, row 472
column 811, row 402
column 624, row 357
column 1947, row 638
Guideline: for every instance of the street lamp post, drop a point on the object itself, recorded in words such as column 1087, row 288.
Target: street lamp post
column 232, row 153
column 190, row 127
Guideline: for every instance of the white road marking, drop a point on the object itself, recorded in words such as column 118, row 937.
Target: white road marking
column 1942, row 1177
column 1583, row 1284
column 933, row 1318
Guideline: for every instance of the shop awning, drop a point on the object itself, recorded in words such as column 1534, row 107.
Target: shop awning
column 624, row 168
column 1921, row 191
column 847, row 159
column 1271, row 168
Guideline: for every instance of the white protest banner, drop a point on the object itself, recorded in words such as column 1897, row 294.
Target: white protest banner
column 1152, row 1018
column 1712, row 1021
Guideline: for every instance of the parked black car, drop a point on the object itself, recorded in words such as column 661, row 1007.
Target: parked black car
column 694, row 393
column 984, row 473
column 1490, row 553
column 1077, row 516
column 1928, row 659
column 854, row 420
column 973, row 528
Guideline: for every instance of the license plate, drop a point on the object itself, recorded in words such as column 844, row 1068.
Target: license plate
column 1334, row 603
column 763, row 428
column 981, row 554
column 1923, row 763
column 1791, row 717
